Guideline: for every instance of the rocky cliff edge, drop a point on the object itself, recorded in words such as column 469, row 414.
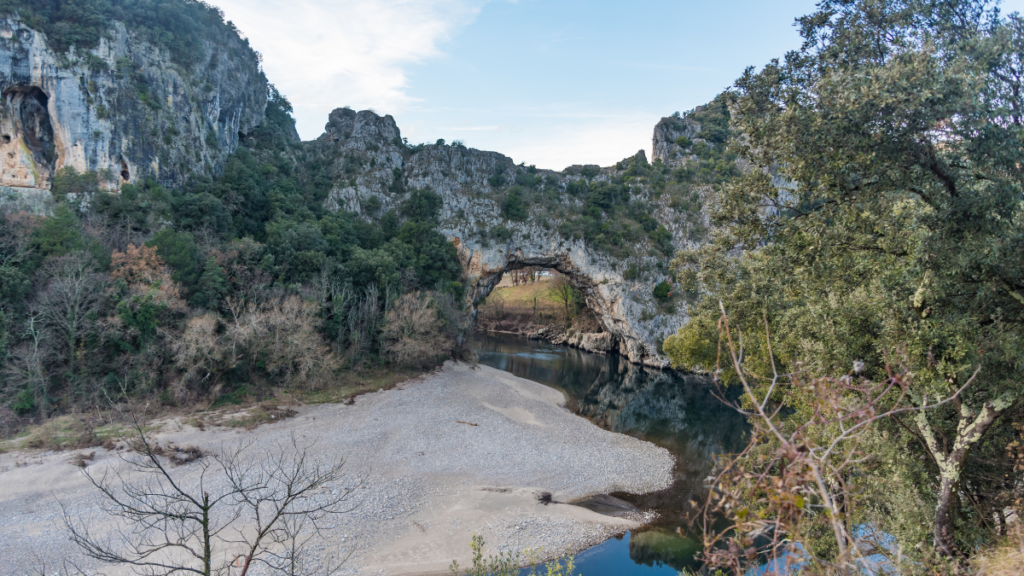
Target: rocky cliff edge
column 123, row 110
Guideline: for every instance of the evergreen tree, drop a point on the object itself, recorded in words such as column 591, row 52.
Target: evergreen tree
column 212, row 288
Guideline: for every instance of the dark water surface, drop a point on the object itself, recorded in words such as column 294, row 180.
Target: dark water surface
column 673, row 410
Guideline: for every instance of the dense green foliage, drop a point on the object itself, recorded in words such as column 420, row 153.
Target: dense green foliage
column 178, row 26
column 227, row 286
column 616, row 212
column 662, row 291
column 899, row 243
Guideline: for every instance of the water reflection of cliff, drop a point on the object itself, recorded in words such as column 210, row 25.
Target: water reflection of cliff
column 674, row 410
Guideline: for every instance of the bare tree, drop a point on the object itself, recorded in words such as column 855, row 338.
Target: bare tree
column 71, row 295
column 279, row 337
column 413, row 334
column 16, row 239
column 27, row 367
column 241, row 509
column 496, row 302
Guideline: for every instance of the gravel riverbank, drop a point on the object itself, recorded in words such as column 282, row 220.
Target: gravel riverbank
column 429, row 482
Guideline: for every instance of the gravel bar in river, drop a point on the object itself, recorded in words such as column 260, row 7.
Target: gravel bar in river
column 429, row 482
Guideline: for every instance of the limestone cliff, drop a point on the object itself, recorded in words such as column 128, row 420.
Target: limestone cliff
column 373, row 167
column 667, row 133
column 123, row 109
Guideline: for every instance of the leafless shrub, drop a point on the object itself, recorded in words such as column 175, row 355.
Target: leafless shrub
column 175, row 454
column 495, row 306
column 586, row 321
column 246, row 508
column 562, row 291
column 9, row 422
column 414, row 334
column 278, row 338
column 81, row 459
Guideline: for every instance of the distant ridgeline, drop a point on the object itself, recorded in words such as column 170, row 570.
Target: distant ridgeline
column 195, row 224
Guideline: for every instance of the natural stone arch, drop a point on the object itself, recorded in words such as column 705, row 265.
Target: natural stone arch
column 483, row 278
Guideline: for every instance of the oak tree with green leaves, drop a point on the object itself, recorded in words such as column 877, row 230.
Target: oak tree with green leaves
column 882, row 221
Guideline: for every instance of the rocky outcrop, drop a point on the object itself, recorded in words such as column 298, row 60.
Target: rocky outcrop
column 123, row 109
column 373, row 167
column 666, row 134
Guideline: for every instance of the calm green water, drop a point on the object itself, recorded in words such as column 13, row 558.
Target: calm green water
column 676, row 411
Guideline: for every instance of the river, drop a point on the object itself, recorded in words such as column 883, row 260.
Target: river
column 677, row 411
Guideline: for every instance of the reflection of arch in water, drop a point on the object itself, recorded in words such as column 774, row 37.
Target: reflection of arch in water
column 651, row 547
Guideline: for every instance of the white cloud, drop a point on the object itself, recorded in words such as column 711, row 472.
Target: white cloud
column 347, row 53
column 602, row 140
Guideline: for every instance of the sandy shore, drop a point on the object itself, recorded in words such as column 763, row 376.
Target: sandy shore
column 429, row 482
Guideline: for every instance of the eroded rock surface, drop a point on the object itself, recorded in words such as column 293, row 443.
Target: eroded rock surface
column 374, row 168
column 123, row 109
column 667, row 133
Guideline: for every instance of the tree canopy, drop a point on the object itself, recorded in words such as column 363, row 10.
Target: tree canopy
column 883, row 222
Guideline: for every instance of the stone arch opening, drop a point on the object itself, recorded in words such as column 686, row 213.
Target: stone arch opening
column 28, row 152
column 602, row 337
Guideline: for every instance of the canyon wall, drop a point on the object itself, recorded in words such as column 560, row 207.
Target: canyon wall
column 123, row 110
column 374, row 169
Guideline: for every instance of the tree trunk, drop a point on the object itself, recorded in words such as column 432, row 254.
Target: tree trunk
column 969, row 431
column 944, row 516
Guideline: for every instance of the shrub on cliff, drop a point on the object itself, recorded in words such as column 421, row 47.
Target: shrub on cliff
column 663, row 291
column 514, row 207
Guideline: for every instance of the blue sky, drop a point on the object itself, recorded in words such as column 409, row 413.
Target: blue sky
column 547, row 82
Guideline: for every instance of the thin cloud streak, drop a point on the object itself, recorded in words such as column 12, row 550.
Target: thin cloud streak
column 471, row 128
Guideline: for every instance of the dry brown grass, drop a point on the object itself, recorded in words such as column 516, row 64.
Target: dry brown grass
column 265, row 413
column 1005, row 558
column 69, row 432
column 521, row 308
column 523, row 296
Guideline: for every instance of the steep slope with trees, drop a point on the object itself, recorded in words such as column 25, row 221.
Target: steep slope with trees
column 214, row 284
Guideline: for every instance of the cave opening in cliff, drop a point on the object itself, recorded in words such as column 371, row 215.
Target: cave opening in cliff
column 126, row 175
column 30, row 116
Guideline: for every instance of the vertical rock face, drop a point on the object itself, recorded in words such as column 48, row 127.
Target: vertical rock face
column 27, row 149
column 371, row 161
column 124, row 109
